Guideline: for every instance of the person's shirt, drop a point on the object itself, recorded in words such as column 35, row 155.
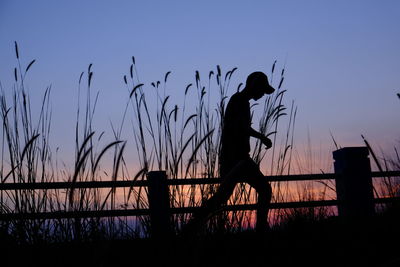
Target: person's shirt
column 235, row 139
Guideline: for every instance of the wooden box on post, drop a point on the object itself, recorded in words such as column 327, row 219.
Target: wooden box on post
column 354, row 188
column 158, row 197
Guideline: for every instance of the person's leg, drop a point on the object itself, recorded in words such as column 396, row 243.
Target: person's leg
column 256, row 179
column 214, row 203
column 220, row 197
column 263, row 203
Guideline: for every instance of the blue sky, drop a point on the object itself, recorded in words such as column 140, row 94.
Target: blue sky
column 342, row 57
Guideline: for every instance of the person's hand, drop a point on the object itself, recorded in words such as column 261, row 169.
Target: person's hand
column 266, row 141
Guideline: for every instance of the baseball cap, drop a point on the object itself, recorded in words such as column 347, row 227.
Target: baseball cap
column 259, row 80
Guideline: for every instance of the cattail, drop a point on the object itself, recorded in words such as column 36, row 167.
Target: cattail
column 29, row 65
column 210, row 74
column 227, row 74
column 133, row 60
column 126, row 82
column 80, row 77
column 176, row 113
column 273, row 66
column 197, row 78
column 187, row 88
column 90, row 78
column 219, row 70
column 166, row 76
column 135, row 88
column 203, row 91
column 131, row 71
column 15, row 74
column 280, row 83
column 16, row 49
column 232, row 71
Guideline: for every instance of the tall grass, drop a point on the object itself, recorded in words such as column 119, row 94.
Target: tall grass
column 388, row 186
column 182, row 138
column 26, row 157
column 183, row 141
column 26, row 151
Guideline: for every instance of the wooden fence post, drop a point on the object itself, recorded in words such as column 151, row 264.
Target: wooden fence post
column 354, row 187
column 158, row 197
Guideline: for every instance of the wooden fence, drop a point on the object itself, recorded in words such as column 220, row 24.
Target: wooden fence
column 353, row 177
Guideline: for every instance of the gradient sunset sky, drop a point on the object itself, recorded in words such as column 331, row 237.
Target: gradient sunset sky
column 341, row 58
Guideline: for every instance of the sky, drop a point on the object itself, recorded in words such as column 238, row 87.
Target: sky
column 341, row 58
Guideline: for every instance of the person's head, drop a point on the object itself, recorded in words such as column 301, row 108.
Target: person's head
column 257, row 85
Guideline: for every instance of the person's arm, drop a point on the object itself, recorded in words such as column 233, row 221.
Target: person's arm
column 255, row 134
column 265, row 140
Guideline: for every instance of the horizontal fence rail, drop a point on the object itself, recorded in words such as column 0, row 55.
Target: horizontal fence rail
column 188, row 181
column 171, row 182
column 352, row 175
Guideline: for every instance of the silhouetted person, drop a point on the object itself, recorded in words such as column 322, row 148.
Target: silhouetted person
column 236, row 166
